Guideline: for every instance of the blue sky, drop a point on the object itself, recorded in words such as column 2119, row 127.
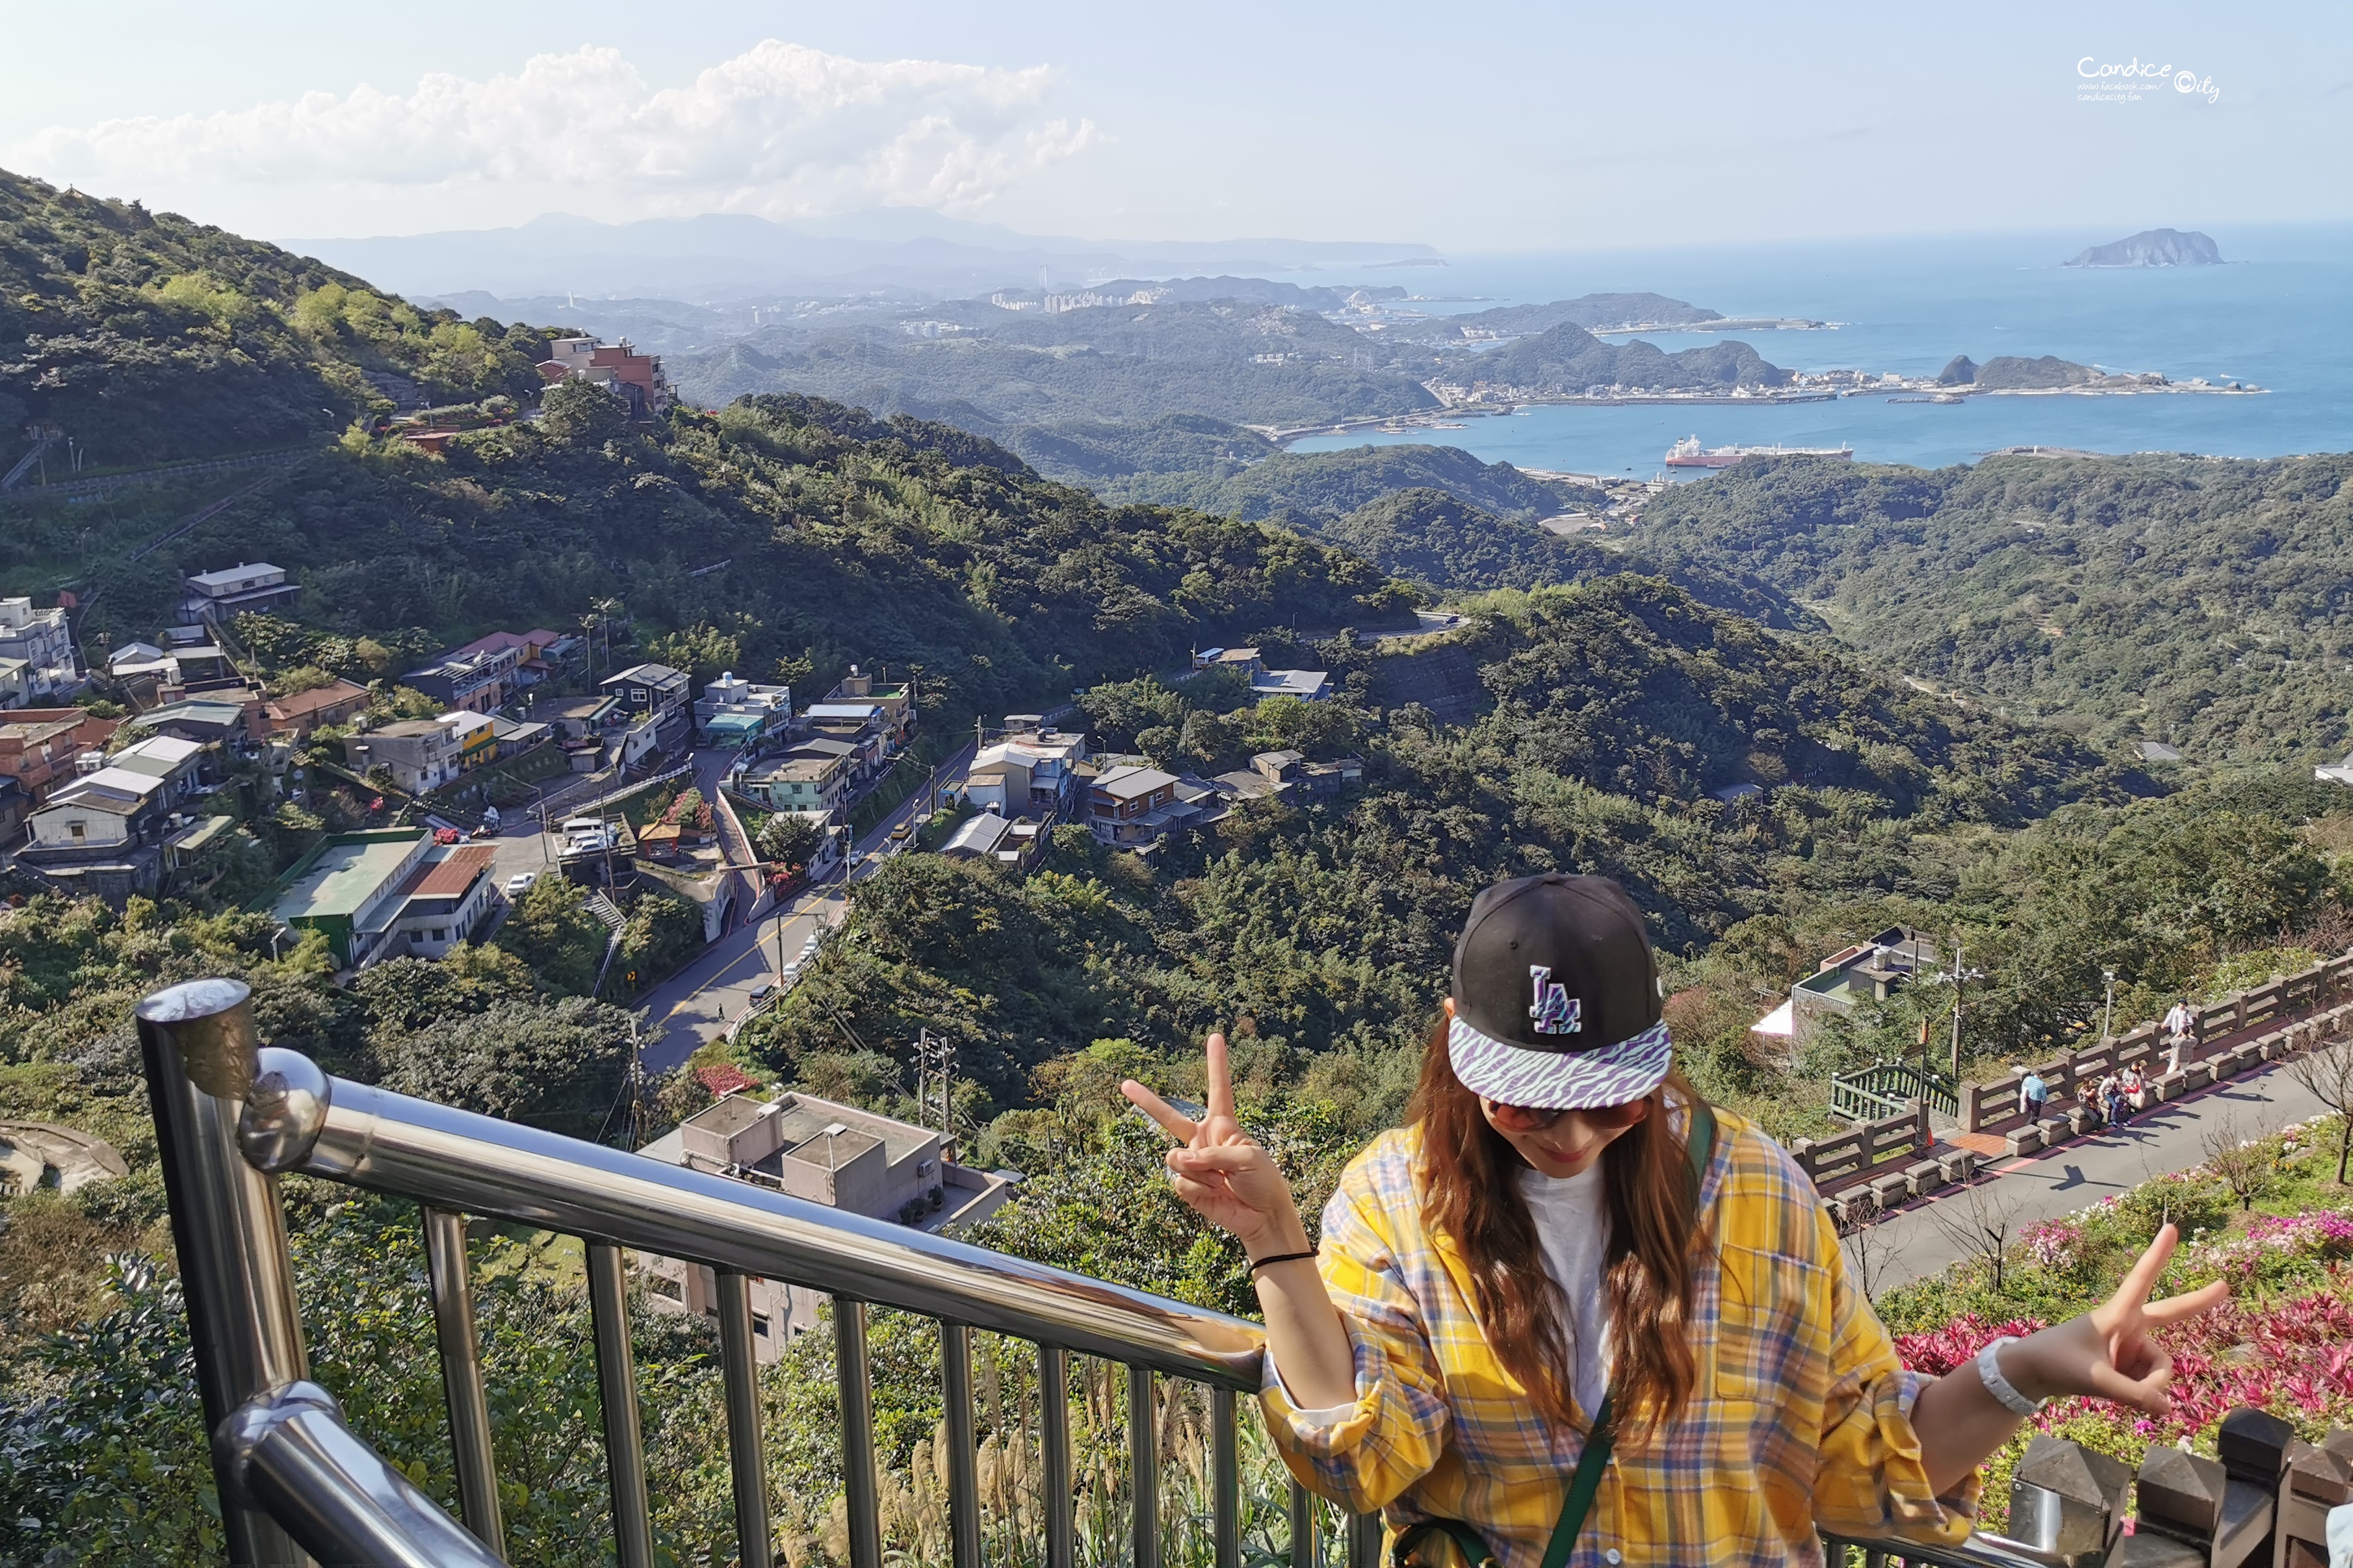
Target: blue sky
column 1499, row 127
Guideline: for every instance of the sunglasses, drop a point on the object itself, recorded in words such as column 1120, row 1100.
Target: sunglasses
column 1524, row 1120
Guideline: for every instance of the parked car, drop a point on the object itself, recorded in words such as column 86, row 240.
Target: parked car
column 903, row 832
column 762, row 992
column 520, row 883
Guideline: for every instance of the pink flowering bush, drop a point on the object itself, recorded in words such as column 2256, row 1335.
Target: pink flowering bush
column 2053, row 1243
column 1939, row 1350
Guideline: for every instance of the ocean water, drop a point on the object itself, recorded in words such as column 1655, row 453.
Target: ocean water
column 2280, row 315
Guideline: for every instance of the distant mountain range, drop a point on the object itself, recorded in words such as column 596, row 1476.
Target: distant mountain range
column 730, row 259
column 2153, row 247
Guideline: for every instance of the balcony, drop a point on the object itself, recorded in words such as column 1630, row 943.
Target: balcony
column 299, row 1484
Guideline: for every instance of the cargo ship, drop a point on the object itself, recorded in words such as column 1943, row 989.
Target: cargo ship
column 1686, row 454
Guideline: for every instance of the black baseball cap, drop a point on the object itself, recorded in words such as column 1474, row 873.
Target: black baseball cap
column 1556, row 996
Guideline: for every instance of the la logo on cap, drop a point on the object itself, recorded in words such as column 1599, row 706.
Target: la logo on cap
column 1555, row 1012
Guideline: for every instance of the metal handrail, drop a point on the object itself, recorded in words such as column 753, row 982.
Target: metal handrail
column 296, row 1485
column 475, row 1164
column 289, row 1453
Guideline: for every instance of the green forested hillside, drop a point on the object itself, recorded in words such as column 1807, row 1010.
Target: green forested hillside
column 146, row 336
column 1616, row 707
column 1431, row 537
column 1231, row 361
column 1568, row 359
column 1317, row 486
column 2204, row 602
column 835, row 538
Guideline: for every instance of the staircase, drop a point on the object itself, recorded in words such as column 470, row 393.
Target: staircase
column 602, row 906
column 14, row 476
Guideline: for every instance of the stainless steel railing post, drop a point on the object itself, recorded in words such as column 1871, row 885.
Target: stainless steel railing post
column 1143, row 1462
column 1304, row 1553
column 616, row 1390
column 964, row 1471
column 851, row 1379
column 198, row 1044
column 1224, row 1480
column 1054, row 1440
column 1363, row 1540
column 747, row 1455
column 461, row 1378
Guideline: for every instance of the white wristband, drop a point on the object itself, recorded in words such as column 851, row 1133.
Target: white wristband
column 1989, row 1373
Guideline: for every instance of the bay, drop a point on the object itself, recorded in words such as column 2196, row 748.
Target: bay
column 2279, row 314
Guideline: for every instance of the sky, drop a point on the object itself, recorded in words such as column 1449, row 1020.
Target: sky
column 1498, row 127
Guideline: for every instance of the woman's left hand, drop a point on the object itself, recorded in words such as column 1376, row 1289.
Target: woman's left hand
column 2108, row 1353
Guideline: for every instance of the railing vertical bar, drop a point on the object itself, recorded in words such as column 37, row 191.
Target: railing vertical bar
column 199, row 1045
column 461, row 1378
column 616, row 1390
column 1143, row 1462
column 1363, row 1540
column 1224, row 1480
column 1055, row 1438
column 1304, row 1553
column 851, row 1379
column 963, row 1469
column 747, row 1458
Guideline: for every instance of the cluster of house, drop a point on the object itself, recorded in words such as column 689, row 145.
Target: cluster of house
column 815, row 760
column 821, row 1152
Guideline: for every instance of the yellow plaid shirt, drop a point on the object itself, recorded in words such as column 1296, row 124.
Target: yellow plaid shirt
column 1801, row 1419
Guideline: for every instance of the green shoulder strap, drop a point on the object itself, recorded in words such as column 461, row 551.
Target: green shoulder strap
column 1585, row 1481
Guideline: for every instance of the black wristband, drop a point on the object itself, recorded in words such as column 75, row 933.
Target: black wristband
column 1258, row 1263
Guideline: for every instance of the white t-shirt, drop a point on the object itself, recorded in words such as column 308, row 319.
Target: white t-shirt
column 1572, row 1225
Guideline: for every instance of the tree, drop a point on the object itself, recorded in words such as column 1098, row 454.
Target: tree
column 582, row 414
column 1979, row 1219
column 789, row 838
column 560, row 1066
column 2241, row 1163
column 2327, row 1073
column 554, row 934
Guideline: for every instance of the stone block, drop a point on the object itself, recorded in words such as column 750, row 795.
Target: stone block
column 2315, row 1481
column 2027, row 1139
column 2067, row 1501
column 2253, row 1446
column 1891, row 1189
column 1959, row 1165
column 1925, row 1177
column 2197, row 1075
column 2056, row 1130
column 2181, row 1492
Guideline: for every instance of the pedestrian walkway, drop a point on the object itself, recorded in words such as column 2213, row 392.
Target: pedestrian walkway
column 1916, row 1241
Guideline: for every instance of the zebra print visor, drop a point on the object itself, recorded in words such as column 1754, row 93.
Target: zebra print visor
column 1558, row 1080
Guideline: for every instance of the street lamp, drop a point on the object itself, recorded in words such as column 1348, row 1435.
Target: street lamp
column 2108, row 1009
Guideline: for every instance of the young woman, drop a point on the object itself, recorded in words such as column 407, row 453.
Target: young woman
column 1532, row 1251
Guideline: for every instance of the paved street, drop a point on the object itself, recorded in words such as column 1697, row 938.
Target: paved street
column 1915, row 1241
column 697, row 1005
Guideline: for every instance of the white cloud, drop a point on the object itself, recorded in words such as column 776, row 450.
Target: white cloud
column 779, row 130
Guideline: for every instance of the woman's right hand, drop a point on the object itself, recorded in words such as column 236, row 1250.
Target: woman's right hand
column 1219, row 1172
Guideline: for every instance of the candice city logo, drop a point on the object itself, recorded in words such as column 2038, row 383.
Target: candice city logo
column 2109, row 81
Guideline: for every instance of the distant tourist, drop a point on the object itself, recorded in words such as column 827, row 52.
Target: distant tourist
column 2180, row 1028
column 2034, row 1094
column 1571, row 1302
column 2135, row 1090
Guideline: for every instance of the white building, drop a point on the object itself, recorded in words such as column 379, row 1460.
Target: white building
column 43, row 640
column 822, row 1153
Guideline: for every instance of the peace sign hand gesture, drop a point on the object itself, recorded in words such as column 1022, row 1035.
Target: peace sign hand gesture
column 2108, row 1353
column 1219, row 1172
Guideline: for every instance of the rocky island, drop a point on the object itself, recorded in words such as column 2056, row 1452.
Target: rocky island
column 2153, row 247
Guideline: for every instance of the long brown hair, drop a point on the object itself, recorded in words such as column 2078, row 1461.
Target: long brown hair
column 1470, row 1194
